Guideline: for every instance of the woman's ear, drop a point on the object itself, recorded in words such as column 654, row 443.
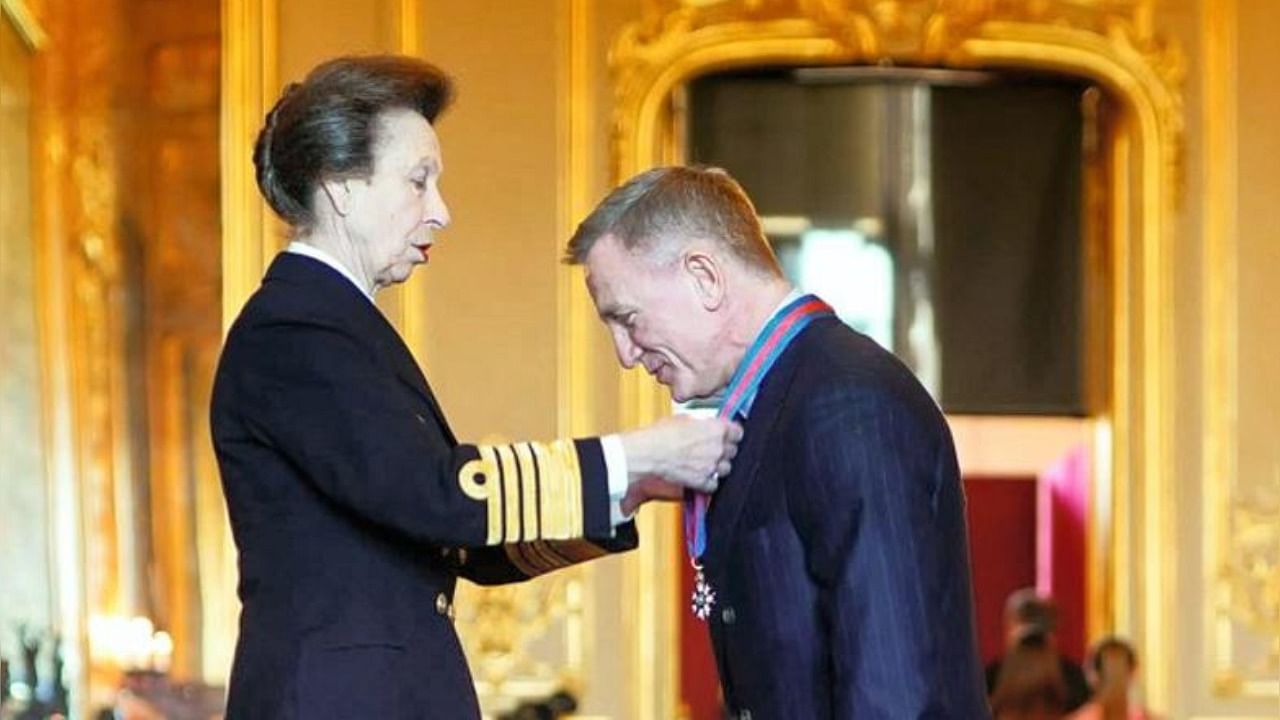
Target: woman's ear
column 707, row 276
column 338, row 193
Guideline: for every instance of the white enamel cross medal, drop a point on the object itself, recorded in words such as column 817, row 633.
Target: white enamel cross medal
column 704, row 598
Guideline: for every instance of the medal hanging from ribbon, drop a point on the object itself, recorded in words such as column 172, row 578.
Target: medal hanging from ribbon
column 769, row 345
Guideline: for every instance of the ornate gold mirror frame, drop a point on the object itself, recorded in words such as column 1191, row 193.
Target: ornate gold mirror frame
column 1109, row 43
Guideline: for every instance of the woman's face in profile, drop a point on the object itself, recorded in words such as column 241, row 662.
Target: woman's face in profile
column 395, row 211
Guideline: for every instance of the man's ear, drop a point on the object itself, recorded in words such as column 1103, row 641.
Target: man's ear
column 708, row 278
column 338, row 193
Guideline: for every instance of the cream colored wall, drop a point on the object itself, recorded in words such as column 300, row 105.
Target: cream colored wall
column 1227, row 239
column 1257, row 478
column 314, row 30
column 1259, row 208
column 25, row 570
column 491, row 285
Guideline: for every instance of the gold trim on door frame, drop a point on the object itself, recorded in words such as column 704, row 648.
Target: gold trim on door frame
column 250, row 238
column 1222, row 508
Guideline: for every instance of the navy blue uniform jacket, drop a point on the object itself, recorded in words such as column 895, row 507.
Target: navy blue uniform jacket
column 838, row 549
column 354, row 510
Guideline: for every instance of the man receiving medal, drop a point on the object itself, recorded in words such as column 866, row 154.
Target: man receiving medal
column 832, row 564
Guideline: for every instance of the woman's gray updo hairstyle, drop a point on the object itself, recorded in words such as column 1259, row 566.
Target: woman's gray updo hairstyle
column 326, row 126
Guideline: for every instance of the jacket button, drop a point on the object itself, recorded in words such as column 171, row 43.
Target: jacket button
column 728, row 616
column 744, row 715
column 442, row 604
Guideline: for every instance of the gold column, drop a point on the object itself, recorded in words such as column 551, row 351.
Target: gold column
column 574, row 414
column 410, row 298
column 66, row 503
column 250, row 238
column 83, row 306
column 1221, row 340
column 1241, row 560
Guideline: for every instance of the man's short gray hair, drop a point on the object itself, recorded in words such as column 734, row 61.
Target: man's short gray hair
column 658, row 211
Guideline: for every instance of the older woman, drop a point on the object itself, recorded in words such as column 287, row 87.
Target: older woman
column 353, row 507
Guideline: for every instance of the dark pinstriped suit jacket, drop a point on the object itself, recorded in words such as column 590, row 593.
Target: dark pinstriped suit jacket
column 838, row 549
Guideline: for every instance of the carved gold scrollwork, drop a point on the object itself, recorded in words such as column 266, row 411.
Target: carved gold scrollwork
column 1109, row 41
column 1253, row 574
column 1247, row 601
column 502, row 629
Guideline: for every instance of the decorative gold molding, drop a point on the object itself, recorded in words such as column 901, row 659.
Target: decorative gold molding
column 25, row 22
column 575, row 130
column 250, row 235
column 1242, row 542
column 409, row 27
column 61, row 429
column 410, row 297
column 79, row 261
column 573, row 381
column 1108, row 42
column 250, row 238
column 501, row 627
column 1219, row 117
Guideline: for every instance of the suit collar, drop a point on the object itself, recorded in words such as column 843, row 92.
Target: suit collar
column 300, row 248
column 771, row 398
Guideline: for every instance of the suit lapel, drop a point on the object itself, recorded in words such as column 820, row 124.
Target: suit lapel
column 408, row 372
column 397, row 356
column 729, row 500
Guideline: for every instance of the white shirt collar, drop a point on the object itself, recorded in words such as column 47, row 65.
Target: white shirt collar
column 300, row 248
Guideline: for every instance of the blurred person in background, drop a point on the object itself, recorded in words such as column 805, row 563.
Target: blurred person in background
column 1026, row 613
column 1029, row 685
column 1113, row 670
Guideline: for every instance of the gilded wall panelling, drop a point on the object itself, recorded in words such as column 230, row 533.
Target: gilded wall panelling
column 94, row 493
column 26, row 538
column 1242, row 515
column 250, row 235
column 60, row 409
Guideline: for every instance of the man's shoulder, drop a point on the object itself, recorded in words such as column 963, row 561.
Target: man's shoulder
column 834, row 358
